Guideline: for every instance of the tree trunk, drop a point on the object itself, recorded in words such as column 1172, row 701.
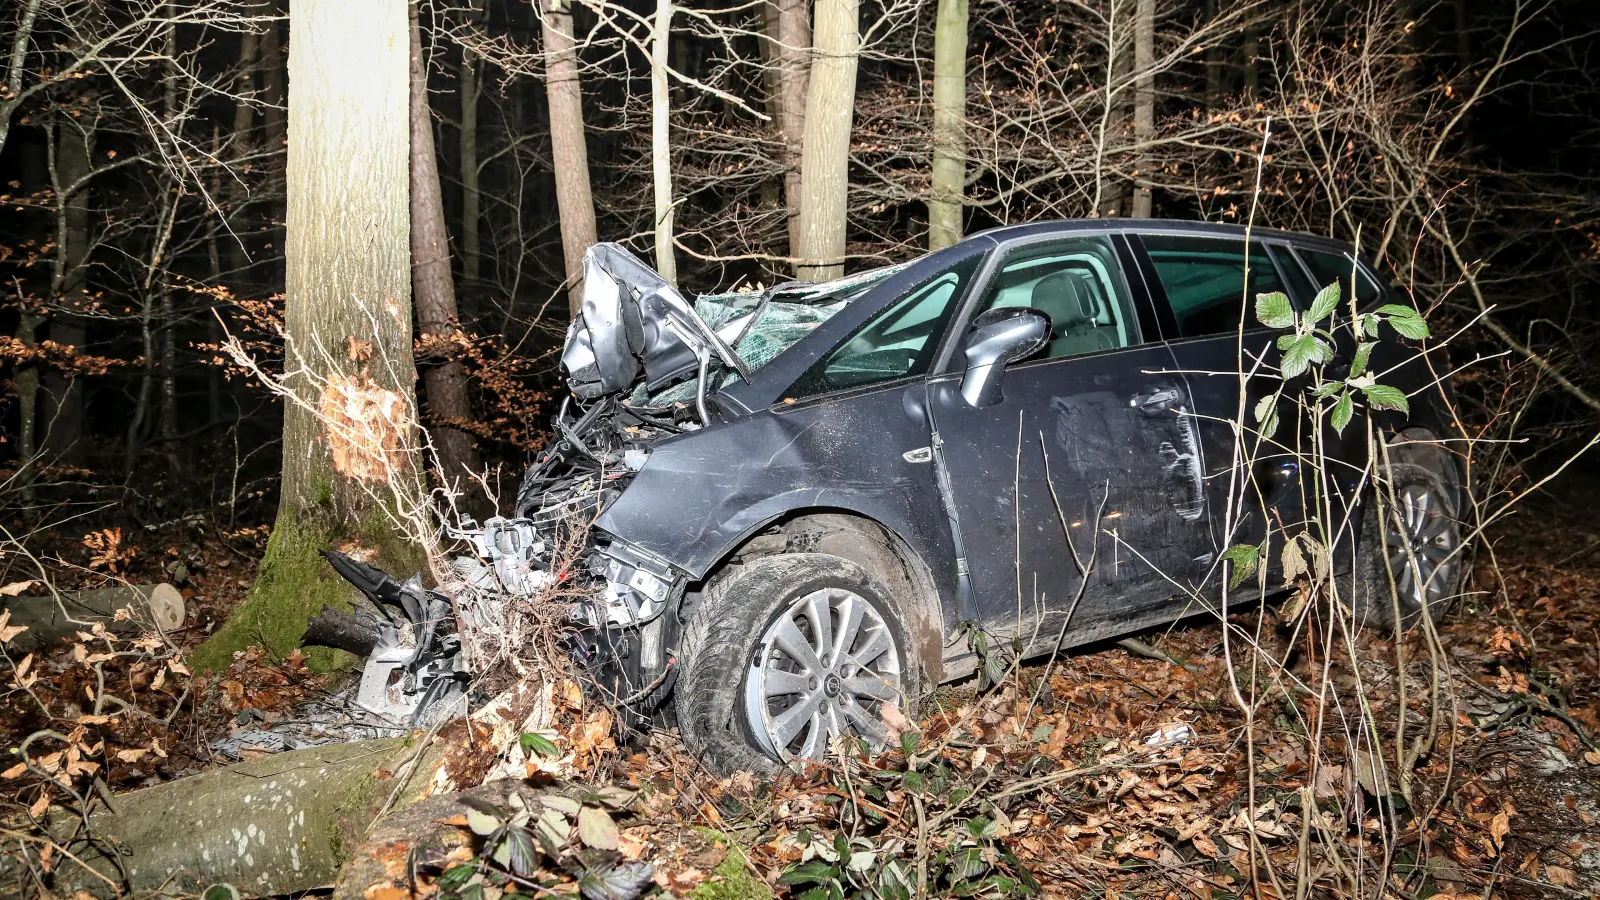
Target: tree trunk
column 242, row 143
column 350, row 437
column 825, row 158
column 1144, row 104
column 1213, row 56
column 1119, row 60
column 794, row 72
column 949, row 124
column 275, row 119
column 279, row 824
column 660, row 140
column 50, row 620
column 471, row 205
column 433, row 293
column 62, row 442
column 568, row 154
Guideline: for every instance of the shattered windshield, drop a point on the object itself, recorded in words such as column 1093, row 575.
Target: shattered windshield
column 897, row 343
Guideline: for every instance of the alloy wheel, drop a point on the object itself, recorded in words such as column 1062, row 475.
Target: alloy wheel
column 1422, row 543
column 825, row 666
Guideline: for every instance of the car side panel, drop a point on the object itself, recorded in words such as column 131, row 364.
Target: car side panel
column 700, row 495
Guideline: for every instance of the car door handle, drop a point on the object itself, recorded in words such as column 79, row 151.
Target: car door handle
column 1156, row 401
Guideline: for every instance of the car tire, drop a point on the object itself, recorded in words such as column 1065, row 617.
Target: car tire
column 1423, row 524
column 735, row 672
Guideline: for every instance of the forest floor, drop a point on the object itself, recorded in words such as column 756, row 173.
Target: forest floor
column 1123, row 774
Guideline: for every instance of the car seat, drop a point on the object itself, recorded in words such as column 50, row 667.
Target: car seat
column 1069, row 300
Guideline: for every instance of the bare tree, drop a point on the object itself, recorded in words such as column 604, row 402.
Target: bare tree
column 568, row 149
column 1144, row 101
column 433, row 291
column 347, row 316
column 661, row 140
column 825, row 159
column 793, row 44
column 949, row 124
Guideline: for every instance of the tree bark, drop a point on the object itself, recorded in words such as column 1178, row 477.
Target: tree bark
column 949, row 124
column 50, row 621
column 433, row 293
column 275, row 118
column 1144, row 103
column 794, row 70
column 471, row 202
column 825, row 157
column 62, row 441
column 279, row 824
column 350, row 437
column 661, row 140
column 568, row 153
column 242, row 142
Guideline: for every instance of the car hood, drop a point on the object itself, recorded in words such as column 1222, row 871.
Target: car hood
column 634, row 329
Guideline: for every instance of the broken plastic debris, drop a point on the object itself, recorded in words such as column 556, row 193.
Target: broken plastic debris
column 1175, row 735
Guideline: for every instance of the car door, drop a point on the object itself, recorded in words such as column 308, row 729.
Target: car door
column 1204, row 287
column 1078, row 491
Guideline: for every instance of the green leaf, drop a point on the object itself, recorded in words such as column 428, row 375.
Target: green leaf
column 915, row 782
column 455, row 876
column 616, row 882
column 1265, row 407
column 564, row 805
column 1327, row 300
column 1328, row 389
column 596, row 829
column 1244, row 559
column 1369, row 325
column 967, row 863
column 538, row 743
column 1342, row 412
column 1303, row 351
column 1274, row 310
column 1383, row 396
column 1359, row 363
column 908, row 742
column 1407, row 321
column 481, row 824
column 808, row 873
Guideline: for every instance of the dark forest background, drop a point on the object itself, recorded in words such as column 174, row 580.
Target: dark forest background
column 143, row 168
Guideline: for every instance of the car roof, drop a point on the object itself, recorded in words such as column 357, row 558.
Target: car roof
column 1156, row 226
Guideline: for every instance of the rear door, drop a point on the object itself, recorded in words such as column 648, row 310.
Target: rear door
column 1205, row 289
column 1083, row 478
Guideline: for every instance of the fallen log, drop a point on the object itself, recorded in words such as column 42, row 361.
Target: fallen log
column 279, row 824
column 50, row 621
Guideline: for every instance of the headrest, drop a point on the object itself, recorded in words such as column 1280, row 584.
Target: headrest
column 1066, row 299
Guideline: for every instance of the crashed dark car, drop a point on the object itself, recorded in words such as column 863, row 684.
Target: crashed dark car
column 806, row 500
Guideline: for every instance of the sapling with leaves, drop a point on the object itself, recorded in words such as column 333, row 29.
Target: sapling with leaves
column 1303, row 368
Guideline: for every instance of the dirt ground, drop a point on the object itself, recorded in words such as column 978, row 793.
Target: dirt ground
column 1122, row 774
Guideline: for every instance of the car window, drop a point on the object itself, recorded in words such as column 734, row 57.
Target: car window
column 898, row 342
column 1327, row 268
column 1078, row 284
column 1204, row 280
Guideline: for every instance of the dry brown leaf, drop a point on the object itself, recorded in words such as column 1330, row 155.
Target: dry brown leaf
column 7, row 632
column 14, row 771
column 133, row 755
column 39, row 806
column 15, row 588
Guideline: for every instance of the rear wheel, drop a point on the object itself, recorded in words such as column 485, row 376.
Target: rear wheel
column 1411, row 561
column 784, row 654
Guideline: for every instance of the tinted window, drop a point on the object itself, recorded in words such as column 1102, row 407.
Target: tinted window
column 1204, row 281
column 1327, row 268
column 1078, row 284
column 898, row 342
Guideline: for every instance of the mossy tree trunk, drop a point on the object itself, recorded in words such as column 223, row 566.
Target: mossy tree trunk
column 349, row 433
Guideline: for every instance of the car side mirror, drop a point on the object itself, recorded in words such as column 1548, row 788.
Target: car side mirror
column 998, row 338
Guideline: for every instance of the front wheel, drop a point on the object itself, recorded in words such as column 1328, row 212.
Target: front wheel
column 1411, row 559
column 786, row 653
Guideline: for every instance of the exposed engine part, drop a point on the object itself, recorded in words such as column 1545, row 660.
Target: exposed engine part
column 415, row 665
